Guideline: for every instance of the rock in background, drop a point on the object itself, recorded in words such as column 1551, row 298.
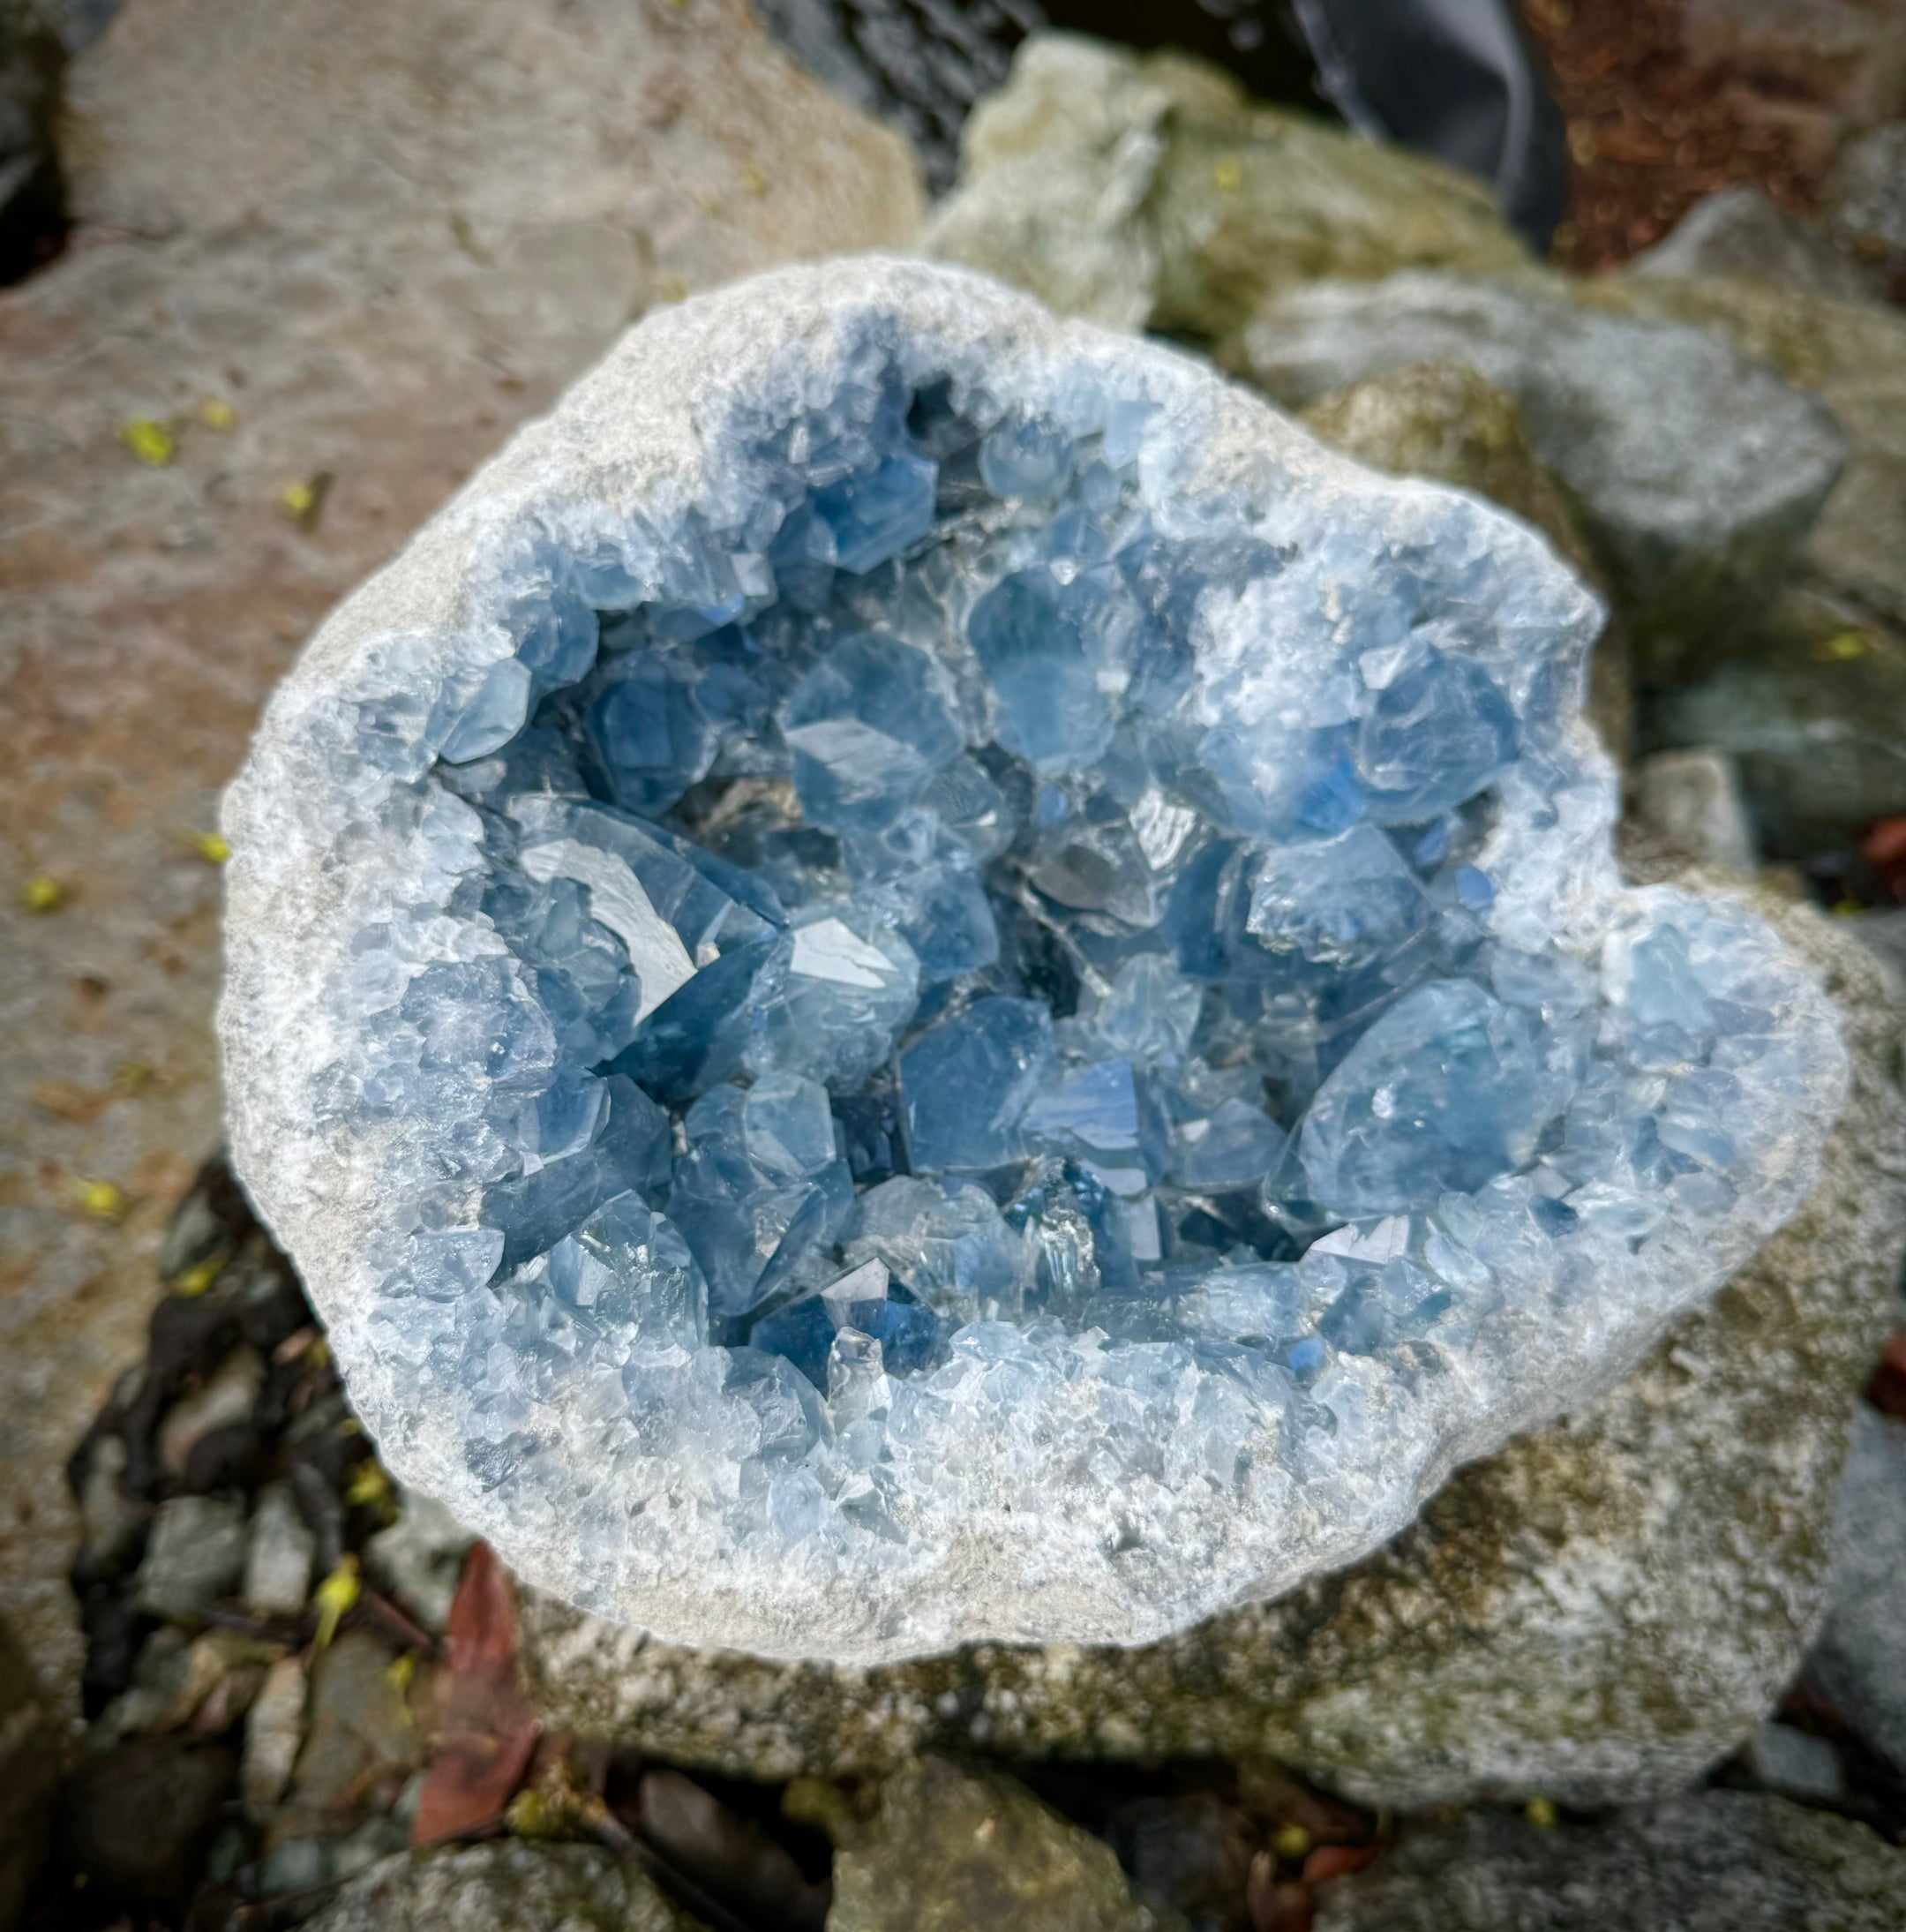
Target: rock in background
column 1713, row 1863
column 1147, row 191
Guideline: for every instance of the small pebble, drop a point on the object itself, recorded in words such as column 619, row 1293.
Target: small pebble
column 278, row 1562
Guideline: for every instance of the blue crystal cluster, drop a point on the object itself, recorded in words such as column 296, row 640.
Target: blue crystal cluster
column 951, row 953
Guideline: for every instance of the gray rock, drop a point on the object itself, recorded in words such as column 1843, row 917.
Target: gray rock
column 195, row 1554
column 1863, row 202
column 1696, row 472
column 280, row 1555
column 360, row 1741
column 114, row 1524
column 1742, row 231
column 274, row 1729
column 1591, row 1613
column 951, row 1850
column 226, row 1396
column 420, row 1558
column 1810, row 704
column 1721, row 1862
column 507, row 1886
column 1692, row 802
column 1852, row 356
column 1147, row 191
column 1860, row 1660
column 1795, row 1765
column 175, row 1677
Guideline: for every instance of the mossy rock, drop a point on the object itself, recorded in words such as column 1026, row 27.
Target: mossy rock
column 1147, row 191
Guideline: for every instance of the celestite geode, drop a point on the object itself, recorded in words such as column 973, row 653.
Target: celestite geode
column 919, row 976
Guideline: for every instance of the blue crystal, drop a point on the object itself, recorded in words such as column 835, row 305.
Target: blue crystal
column 950, row 830
column 1055, row 654
column 1446, row 1091
column 747, row 1223
column 949, row 1245
column 870, row 724
column 651, row 736
column 834, row 997
column 1099, row 1114
column 966, row 1084
column 878, row 516
column 1439, row 734
column 628, row 1147
column 1338, row 903
column 1026, row 457
column 1236, row 1145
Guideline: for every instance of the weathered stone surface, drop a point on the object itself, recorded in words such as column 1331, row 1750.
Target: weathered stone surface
column 1442, row 419
column 949, row 1849
column 382, row 235
column 508, row 1886
column 1860, row 1660
column 1148, row 192
column 1601, row 1610
column 1809, row 702
column 1862, row 203
column 1852, row 356
column 196, row 1555
column 1692, row 802
column 1741, row 231
column 1695, row 472
column 1718, row 1861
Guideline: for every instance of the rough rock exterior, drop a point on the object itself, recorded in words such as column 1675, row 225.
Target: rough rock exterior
column 1604, row 1608
column 950, row 1850
column 1148, row 192
column 1860, row 1660
column 507, row 1886
column 1696, row 472
column 1719, row 1861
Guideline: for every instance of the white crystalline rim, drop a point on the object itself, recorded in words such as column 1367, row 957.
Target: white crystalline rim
column 1017, row 1542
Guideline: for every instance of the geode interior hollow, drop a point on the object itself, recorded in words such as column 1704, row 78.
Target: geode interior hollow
column 919, row 976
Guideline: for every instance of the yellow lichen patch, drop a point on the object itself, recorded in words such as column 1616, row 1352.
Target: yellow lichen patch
column 149, row 440
column 216, row 413
column 334, row 1597
column 200, row 1276
column 1540, row 1812
column 1842, row 648
column 1292, row 1842
column 209, row 846
column 303, row 500
column 104, row 1201
column 42, row 894
column 369, row 1485
column 1228, row 173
